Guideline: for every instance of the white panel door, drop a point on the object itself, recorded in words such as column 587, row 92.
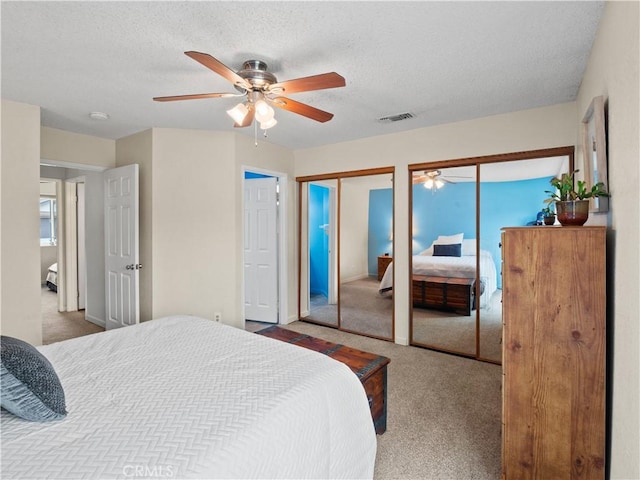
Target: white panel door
column 121, row 245
column 260, row 250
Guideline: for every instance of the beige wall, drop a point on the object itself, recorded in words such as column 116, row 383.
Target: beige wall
column 63, row 146
column 534, row 129
column 138, row 149
column 20, row 313
column 612, row 71
column 276, row 160
column 354, row 230
column 194, row 224
column 190, row 218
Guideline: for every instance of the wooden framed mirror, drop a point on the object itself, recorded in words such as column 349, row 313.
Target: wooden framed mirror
column 345, row 228
column 456, row 302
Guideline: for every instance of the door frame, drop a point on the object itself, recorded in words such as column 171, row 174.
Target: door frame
column 282, row 233
column 67, row 249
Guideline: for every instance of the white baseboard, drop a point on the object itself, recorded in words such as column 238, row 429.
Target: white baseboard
column 98, row 321
column 290, row 319
column 355, row 277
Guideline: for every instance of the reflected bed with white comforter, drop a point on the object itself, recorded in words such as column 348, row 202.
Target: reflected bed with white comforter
column 184, row 397
column 452, row 267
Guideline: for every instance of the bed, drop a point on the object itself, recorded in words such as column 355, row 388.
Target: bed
column 463, row 266
column 184, row 397
column 52, row 277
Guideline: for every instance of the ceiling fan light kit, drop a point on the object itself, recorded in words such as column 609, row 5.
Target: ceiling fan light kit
column 262, row 91
column 238, row 113
column 433, row 184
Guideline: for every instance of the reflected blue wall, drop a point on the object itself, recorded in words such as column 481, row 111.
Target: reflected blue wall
column 380, row 226
column 452, row 209
column 256, row 175
column 318, row 240
column 508, row 204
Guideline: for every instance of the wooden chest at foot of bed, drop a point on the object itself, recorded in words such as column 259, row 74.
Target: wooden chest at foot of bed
column 370, row 368
column 444, row 293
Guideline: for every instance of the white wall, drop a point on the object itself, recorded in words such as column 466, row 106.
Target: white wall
column 95, row 309
column 534, row 129
column 20, row 313
column 612, row 71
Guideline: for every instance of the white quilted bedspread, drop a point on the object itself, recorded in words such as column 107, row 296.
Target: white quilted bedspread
column 183, row 397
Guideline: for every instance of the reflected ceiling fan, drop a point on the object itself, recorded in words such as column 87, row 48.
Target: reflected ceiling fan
column 434, row 179
column 262, row 91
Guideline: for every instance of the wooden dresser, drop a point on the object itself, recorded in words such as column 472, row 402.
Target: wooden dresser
column 370, row 368
column 554, row 336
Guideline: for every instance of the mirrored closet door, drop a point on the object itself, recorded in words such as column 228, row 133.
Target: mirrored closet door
column 320, row 227
column 457, row 291
column 443, row 259
column 366, row 248
column 346, row 246
column 511, row 194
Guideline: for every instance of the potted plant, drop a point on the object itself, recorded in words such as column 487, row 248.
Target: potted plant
column 548, row 215
column 572, row 204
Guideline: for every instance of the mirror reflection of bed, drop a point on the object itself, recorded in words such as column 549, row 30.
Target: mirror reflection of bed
column 457, row 295
column 351, row 219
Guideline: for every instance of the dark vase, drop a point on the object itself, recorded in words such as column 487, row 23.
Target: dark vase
column 549, row 219
column 572, row 212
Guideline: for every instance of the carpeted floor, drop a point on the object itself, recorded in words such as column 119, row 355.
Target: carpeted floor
column 364, row 310
column 443, row 411
column 57, row 326
column 452, row 331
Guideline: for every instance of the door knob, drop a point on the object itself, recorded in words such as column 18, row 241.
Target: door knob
column 134, row 266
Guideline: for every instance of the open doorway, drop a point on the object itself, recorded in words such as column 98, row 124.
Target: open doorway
column 68, row 274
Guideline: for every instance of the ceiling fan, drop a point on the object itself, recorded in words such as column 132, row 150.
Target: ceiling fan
column 434, row 180
column 262, row 91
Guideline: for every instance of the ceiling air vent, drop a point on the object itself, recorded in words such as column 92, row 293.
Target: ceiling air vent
column 396, row 118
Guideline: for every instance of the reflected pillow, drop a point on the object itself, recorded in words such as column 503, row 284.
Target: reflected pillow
column 30, row 387
column 428, row 251
column 469, row 247
column 452, row 250
column 449, row 239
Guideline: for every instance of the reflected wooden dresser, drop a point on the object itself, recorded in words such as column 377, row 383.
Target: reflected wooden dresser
column 370, row 368
column 383, row 263
column 554, row 315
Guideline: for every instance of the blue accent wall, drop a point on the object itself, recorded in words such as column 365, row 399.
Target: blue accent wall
column 508, row 204
column 318, row 241
column 380, row 226
column 256, row 175
column 452, row 209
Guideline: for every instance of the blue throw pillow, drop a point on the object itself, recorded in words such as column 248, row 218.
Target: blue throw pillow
column 29, row 386
column 452, row 250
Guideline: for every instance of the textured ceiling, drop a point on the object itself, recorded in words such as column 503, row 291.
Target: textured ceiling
column 441, row 61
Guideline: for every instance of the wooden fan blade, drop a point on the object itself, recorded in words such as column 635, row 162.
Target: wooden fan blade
column 220, row 68
column 302, row 109
column 248, row 120
column 197, row 96
column 306, row 84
